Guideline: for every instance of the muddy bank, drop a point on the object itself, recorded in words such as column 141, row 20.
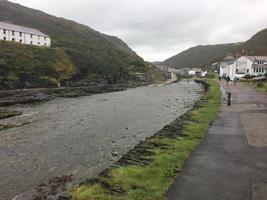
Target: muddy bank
column 85, row 135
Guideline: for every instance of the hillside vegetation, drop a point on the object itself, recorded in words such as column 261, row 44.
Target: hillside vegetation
column 93, row 53
column 200, row 56
column 24, row 66
column 257, row 44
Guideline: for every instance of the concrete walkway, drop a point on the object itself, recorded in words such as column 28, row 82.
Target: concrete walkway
column 231, row 162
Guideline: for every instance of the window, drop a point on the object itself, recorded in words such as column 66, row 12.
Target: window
column 31, row 35
column 4, row 38
column 4, row 31
column 31, row 42
column 20, row 34
column 20, row 40
column 45, row 38
column 247, row 70
column 38, row 43
column 13, row 33
column 13, row 39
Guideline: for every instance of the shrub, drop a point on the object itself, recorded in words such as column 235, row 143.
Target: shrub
column 247, row 76
column 260, row 84
column 211, row 75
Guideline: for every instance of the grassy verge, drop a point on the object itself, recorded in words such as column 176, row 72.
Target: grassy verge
column 149, row 170
column 262, row 87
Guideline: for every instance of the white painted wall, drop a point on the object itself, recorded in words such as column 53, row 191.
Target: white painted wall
column 240, row 68
column 25, row 38
column 244, row 66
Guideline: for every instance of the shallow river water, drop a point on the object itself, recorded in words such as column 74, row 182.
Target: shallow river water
column 77, row 136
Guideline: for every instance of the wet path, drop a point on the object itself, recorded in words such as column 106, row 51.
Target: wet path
column 231, row 162
column 77, row 136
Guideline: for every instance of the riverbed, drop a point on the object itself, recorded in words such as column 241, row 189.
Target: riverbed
column 83, row 136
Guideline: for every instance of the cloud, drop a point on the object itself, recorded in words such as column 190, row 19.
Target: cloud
column 158, row 29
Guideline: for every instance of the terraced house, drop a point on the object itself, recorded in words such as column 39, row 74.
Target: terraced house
column 244, row 65
column 24, row 35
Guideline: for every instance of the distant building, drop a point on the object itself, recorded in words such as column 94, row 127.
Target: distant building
column 24, row 35
column 161, row 72
column 197, row 72
column 244, row 65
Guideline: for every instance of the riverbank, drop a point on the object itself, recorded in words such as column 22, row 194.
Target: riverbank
column 148, row 170
column 29, row 96
column 83, row 136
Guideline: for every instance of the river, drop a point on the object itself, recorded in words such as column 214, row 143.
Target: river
column 78, row 135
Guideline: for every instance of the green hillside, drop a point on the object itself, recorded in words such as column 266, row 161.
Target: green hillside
column 205, row 55
column 93, row 53
column 257, row 45
column 200, row 56
column 24, row 66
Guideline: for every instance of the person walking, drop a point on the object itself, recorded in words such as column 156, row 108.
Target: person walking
column 235, row 80
column 228, row 80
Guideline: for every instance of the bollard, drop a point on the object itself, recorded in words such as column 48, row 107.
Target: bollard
column 229, row 98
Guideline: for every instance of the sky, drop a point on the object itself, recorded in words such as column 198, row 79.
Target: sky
column 159, row 29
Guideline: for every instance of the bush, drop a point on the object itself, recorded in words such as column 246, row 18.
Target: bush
column 260, row 84
column 211, row 75
column 247, row 76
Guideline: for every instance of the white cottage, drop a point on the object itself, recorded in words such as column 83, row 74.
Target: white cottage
column 251, row 65
column 24, row 35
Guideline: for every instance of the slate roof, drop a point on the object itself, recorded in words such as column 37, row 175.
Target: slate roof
column 254, row 58
column 18, row 28
column 229, row 58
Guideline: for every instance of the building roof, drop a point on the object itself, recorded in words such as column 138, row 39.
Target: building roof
column 19, row 28
column 254, row 58
column 196, row 69
column 229, row 58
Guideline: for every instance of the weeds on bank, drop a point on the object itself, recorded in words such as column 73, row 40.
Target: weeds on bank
column 151, row 181
column 259, row 86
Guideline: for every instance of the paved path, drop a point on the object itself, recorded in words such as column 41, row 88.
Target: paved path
column 231, row 162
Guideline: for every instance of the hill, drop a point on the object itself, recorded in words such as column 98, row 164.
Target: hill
column 205, row 55
column 257, row 44
column 94, row 54
column 24, row 66
column 200, row 56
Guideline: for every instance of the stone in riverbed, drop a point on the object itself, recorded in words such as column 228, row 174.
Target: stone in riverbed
column 114, row 153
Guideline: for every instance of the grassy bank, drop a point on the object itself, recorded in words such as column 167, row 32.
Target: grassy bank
column 260, row 87
column 147, row 171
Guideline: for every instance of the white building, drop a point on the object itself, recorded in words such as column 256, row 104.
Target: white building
column 251, row 65
column 24, row 35
column 197, row 72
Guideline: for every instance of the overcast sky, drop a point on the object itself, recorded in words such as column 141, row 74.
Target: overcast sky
column 158, row 29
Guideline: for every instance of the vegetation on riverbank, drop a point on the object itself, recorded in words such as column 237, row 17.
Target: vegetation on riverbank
column 147, row 171
column 25, row 66
column 259, row 86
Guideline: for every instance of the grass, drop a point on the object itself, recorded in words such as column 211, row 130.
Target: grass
column 258, row 88
column 151, row 181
